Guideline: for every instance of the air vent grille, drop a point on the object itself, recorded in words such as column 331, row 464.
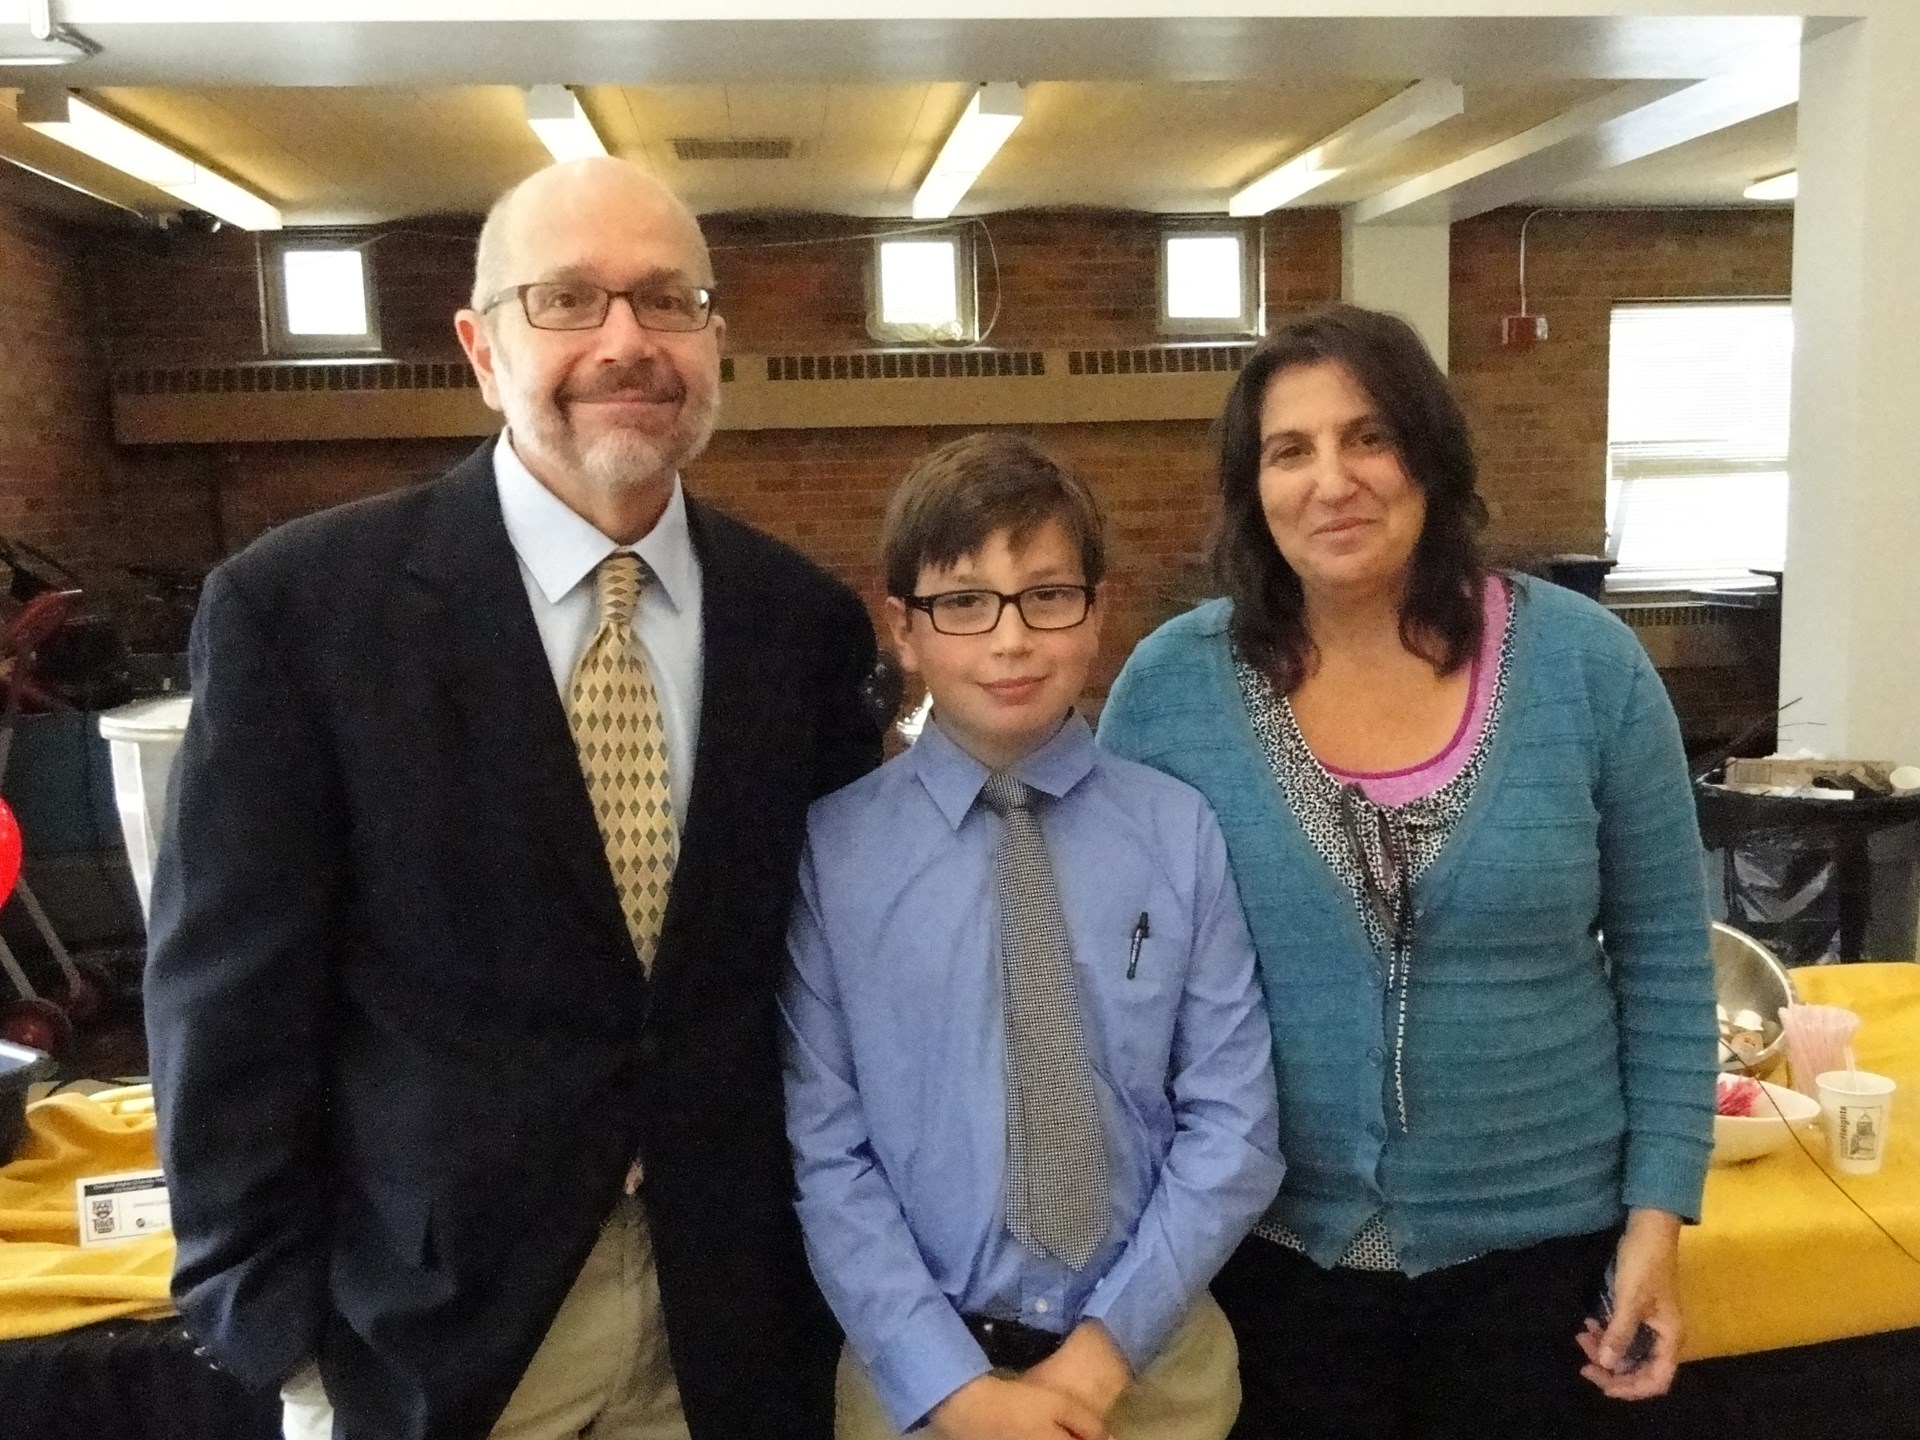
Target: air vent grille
column 1650, row 617
column 908, row 365
column 1158, row 360
column 689, row 147
column 261, row 379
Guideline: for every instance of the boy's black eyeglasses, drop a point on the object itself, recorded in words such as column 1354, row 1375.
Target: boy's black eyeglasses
column 578, row 305
column 975, row 612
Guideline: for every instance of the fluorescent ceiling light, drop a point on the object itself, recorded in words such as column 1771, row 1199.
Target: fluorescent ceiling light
column 60, row 46
column 78, row 125
column 1779, row 187
column 990, row 117
column 1292, row 180
column 555, row 115
column 67, row 184
column 51, row 44
column 1417, row 108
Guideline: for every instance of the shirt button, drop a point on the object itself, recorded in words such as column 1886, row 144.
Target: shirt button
column 1376, row 1055
column 1040, row 1307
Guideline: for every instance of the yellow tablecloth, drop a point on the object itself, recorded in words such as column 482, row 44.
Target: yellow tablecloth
column 47, row 1282
column 1781, row 1258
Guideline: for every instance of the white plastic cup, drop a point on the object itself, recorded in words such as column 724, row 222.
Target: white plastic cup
column 1854, row 1106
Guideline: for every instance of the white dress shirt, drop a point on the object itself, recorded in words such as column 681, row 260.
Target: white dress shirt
column 558, row 550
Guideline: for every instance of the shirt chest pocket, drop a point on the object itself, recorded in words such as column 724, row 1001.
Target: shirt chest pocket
column 1130, row 988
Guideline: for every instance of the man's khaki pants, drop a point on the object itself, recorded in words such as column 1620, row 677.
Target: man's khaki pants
column 601, row 1373
column 1191, row 1390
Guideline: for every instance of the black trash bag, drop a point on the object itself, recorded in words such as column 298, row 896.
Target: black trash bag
column 1783, row 888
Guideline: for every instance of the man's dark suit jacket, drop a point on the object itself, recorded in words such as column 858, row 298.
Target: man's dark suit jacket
column 402, row 1048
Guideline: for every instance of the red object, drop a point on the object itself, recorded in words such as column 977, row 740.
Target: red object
column 9, row 851
column 30, row 627
column 1522, row 332
column 1739, row 1095
column 37, row 1024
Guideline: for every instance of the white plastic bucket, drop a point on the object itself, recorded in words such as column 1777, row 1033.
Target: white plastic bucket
column 142, row 739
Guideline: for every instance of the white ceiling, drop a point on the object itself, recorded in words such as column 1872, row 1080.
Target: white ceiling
column 361, row 121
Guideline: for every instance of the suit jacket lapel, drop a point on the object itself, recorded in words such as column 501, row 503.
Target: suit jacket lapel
column 733, row 628
column 469, row 607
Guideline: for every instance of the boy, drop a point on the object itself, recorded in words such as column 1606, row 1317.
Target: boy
column 1029, row 1085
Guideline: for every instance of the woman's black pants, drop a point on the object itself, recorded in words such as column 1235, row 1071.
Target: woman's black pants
column 1483, row 1350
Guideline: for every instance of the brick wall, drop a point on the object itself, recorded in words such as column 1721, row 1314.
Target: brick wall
column 1540, row 415
column 57, row 478
column 825, row 491
column 184, row 297
column 1065, row 278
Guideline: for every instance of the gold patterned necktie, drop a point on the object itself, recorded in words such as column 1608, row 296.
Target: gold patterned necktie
column 614, row 714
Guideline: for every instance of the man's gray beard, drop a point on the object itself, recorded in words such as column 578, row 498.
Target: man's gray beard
column 622, row 459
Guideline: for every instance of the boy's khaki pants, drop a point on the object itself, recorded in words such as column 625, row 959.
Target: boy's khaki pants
column 1191, row 1391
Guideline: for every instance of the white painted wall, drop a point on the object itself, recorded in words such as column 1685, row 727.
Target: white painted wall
column 1851, row 633
column 1402, row 268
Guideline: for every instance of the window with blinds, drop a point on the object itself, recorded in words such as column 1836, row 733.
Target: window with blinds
column 1697, row 400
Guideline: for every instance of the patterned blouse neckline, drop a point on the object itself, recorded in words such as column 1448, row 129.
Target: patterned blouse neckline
column 1377, row 860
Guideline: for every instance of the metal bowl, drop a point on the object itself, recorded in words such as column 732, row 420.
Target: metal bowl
column 1749, row 976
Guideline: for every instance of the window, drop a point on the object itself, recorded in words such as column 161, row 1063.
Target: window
column 1697, row 402
column 320, row 299
column 1206, row 283
column 923, row 290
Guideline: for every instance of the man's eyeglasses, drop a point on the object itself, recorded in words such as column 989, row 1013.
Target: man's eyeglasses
column 577, row 305
column 975, row 612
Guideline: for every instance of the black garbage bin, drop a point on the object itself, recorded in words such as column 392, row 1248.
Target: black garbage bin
column 1798, row 874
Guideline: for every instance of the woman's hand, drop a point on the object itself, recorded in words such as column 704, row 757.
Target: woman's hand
column 1645, row 1291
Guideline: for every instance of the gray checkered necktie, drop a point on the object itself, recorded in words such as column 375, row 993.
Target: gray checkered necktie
column 614, row 714
column 1057, row 1195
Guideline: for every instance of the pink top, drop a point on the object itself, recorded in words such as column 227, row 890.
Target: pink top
column 1397, row 787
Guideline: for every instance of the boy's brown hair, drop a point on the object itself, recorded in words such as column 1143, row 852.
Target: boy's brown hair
column 959, row 496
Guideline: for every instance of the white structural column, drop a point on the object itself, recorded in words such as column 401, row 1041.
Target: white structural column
column 1402, row 268
column 1851, row 633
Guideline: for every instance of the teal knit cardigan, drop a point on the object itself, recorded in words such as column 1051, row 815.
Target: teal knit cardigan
column 1553, row 1078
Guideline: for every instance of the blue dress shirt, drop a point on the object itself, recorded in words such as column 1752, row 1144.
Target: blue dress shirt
column 558, row 551
column 896, row 1058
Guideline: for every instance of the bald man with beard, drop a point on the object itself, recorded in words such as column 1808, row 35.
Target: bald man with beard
column 466, row 1136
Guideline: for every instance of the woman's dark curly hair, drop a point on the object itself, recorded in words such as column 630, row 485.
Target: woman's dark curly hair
column 1440, row 617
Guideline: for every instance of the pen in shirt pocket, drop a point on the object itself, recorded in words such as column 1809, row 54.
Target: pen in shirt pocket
column 1142, row 930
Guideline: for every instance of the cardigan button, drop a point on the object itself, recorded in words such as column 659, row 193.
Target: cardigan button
column 1376, row 1055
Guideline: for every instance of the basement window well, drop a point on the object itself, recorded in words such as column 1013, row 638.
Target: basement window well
column 1206, row 284
column 922, row 290
column 320, row 299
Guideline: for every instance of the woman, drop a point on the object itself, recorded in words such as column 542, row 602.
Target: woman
column 1458, row 814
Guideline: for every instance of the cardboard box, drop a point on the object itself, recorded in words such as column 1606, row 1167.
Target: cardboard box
column 1870, row 775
